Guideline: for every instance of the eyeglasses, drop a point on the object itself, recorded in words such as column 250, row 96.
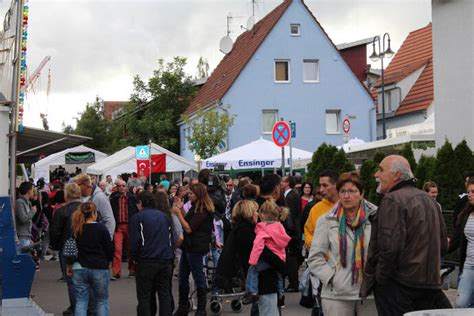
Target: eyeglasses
column 350, row 192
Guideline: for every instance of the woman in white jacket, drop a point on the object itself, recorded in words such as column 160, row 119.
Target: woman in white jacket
column 339, row 250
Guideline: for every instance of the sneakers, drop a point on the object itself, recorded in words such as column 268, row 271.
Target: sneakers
column 131, row 274
column 249, row 298
column 115, row 277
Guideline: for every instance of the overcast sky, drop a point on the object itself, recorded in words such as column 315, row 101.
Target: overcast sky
column 96, row 47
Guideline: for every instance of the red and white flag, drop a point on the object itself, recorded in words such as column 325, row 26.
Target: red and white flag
column 143, row 167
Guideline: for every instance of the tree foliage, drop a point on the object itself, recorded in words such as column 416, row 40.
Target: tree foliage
column 93, row 124
column 445, row 175
column 407, row 152
column 207, row 130
column 202, row 68
column 327, row 157
column 425, row 170
column 155, row 107
column 367, row 175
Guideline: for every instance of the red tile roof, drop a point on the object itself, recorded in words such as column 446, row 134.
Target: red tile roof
column 244, row 47
column 233, row 63
column 415, row 52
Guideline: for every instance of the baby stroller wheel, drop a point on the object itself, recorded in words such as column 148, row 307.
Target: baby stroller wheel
column 215, row 307
column 236, row 306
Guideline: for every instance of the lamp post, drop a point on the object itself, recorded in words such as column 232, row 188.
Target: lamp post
column 375, row 57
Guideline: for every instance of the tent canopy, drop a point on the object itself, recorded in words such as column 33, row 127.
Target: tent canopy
column 33, row 142
column 256, row 155
column 41, row 168
column 124, row 161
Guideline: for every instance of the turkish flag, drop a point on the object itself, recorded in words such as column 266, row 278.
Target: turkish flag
column 143, row 167
column 158, row 163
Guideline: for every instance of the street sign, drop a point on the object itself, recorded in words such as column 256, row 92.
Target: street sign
column 293, row 129
column 142, row 152
column 346, row 125
column 281, row 133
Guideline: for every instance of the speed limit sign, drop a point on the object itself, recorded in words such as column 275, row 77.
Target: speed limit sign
column 346, row 125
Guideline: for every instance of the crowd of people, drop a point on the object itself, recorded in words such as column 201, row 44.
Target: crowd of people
column 257, row 235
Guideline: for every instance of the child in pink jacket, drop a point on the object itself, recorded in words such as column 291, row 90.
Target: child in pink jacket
column 270, row 233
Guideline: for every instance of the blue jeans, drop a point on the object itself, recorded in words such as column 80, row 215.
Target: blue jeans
column 251, row 285
column 268, row 305
column 465, row 296
column 191, row 263
column 98, row 281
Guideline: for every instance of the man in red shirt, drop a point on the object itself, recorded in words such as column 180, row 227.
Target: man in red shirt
column 124, row 206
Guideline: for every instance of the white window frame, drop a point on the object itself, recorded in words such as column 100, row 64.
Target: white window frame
column 338, row 118
column 274, row 71
column 299, row 29
column 317, row 70
column 269, row 111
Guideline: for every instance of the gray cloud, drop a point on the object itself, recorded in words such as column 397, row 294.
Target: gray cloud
column 97, row 46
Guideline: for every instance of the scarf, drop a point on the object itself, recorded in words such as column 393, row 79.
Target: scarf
column 358, row 247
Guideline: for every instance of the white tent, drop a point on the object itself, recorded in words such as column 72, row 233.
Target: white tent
column 42, row 167
column 257, row 155
column 124, row 161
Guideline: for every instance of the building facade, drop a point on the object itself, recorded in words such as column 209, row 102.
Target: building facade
column 408, row 88
column 286, row 67
column 453, row 44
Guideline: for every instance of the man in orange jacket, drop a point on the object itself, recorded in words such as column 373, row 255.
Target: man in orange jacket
column 327, row 181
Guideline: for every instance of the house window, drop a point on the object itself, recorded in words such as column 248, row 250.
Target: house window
column 294, row 29
column 392, row 100
column 269, row 118
column 282, row 71
column 333, row 121
column 310, row 70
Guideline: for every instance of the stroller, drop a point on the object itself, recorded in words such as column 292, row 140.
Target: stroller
column 216, row 296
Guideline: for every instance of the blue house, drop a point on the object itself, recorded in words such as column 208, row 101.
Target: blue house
column 286, row 67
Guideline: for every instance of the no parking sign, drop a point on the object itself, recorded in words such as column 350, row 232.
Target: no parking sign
column 281, row 133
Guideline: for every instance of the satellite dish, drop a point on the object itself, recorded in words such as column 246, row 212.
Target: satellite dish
column 250, row 23
column 226, row 44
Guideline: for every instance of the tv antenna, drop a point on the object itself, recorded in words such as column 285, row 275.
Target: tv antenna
column 251, row 19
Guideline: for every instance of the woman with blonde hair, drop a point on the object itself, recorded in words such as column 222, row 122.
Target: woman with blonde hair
column 95, row 253
column 197, row 225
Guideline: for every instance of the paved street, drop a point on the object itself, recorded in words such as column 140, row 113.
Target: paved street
column 51, row 295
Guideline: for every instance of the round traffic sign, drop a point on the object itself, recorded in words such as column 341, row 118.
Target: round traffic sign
column 346, row 125
column 281, row 133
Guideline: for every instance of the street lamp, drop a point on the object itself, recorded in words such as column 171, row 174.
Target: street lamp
column 374, row 57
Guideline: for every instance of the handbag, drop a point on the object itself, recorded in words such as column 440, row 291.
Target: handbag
column 70, row 249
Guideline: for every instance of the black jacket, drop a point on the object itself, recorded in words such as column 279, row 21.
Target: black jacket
column 132, row 206
column 293, row 224
column 201, row 226
column 459, row 239
column 235, row 256
column 60, row 228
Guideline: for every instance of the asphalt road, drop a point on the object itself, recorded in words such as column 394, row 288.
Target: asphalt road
column 51, row 294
